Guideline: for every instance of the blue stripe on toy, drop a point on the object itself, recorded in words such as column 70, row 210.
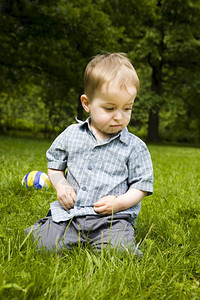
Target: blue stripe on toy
column 36, row 182
column 25, row 179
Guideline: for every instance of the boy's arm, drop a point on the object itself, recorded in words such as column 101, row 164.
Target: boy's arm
column 65, row 192
column 112, row 204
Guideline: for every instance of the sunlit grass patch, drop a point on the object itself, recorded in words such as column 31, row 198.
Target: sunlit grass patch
column 167, row 230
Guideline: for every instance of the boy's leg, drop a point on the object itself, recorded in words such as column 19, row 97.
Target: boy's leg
column 115, row 232
column 50, row 235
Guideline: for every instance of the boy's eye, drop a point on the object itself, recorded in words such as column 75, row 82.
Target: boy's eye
column 109, row 108
column 128, row 108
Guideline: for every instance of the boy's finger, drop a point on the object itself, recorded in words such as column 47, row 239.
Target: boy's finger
column 96, row 208
column 63, row 204
column 99, row 203
column 73, row 195
column 102, row 212
column 99, row 208
column 70, row 201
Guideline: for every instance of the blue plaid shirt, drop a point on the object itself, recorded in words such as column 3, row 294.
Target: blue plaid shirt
column 96, row 170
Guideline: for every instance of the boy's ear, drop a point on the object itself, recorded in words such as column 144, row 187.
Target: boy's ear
column 85, row 103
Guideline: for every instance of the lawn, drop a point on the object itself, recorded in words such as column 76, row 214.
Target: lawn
column 167, row 230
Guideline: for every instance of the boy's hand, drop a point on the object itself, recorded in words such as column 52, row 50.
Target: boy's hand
column 66, row 196
column 65, row 192
column 106, row 205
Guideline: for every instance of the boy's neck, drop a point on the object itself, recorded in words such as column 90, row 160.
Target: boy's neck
column 100, row 136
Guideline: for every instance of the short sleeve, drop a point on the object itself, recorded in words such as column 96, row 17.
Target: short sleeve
column 140, row 169
column 57, row 154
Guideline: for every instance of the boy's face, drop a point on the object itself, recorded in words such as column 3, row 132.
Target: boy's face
column 110, row 110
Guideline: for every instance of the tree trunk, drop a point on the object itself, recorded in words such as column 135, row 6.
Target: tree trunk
column 153, row 126
column 156, row 86
column 156, row 63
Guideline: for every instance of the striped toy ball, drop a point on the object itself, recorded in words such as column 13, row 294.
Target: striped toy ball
column 36, row 179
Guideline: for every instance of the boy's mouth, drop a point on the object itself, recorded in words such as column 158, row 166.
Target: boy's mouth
column 116, row 126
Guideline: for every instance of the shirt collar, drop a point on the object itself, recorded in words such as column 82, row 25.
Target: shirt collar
column 82, row 123
column 123, row 135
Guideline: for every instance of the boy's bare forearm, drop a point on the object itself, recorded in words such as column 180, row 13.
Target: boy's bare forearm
column 130, row 198
column 57, row 177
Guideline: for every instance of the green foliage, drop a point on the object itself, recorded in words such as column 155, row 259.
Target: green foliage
column 48, row 51
column 163, row 44
column 51, row 39
column 178, row 124
column 167, row 231
column 46, row 45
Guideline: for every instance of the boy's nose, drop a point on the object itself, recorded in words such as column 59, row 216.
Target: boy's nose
column 118, row 115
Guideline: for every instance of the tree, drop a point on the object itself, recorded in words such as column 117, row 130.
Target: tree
column 161, row 38
column 48, row 44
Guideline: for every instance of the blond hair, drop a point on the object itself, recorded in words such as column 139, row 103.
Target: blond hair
column 109, row 68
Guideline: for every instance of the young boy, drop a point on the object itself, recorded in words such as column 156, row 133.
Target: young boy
column 109, row 170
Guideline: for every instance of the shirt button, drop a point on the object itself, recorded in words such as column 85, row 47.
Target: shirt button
column 78, row 207
column 89, row 167
column 84, row 188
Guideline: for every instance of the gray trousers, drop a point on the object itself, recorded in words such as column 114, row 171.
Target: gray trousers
column 99, row 231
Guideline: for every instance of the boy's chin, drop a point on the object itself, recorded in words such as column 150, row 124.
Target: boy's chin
column 115, row 129
column 113, row 132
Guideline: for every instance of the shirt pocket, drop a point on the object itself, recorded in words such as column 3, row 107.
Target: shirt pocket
column 114, row 165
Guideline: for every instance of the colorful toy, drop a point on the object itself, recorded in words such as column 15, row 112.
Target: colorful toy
column 36, row 179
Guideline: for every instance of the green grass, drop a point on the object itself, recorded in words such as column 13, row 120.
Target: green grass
column 167, row 229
